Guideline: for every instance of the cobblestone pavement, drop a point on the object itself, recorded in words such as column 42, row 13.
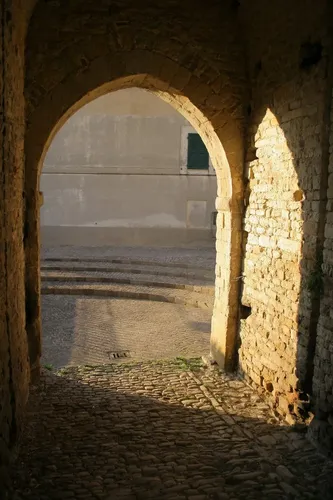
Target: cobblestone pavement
column 149, row 429
column 79, row 330
column 164, row 430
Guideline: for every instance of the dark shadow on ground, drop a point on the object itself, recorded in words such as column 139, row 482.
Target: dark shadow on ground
column 86, row 439
column 201, row 326
column 58, row 328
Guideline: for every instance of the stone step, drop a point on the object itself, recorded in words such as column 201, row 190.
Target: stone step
column 175, row 296
column 97, row 266
column 195, row 285
column 126, row 260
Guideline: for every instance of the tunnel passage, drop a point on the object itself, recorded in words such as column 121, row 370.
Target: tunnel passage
column 261, row 100
column 226, row 97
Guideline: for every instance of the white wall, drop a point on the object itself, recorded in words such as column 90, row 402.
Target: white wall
column 118, row 164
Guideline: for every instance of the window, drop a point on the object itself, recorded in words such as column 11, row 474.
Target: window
column 194, row 158
column 197, row 154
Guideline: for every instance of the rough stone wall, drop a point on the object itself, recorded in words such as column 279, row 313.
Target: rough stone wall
column 322, row 425
column 284, row 167
column 14, row 374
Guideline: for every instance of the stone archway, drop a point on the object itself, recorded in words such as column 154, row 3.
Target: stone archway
column 210, row 98
column 229, row 219
column 193, row 51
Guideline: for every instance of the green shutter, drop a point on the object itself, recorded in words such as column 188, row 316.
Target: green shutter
column 197, row 154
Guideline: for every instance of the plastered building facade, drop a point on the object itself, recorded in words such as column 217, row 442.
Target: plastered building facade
column 120, row 172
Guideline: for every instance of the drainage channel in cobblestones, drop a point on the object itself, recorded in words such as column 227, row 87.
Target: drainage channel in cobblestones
column 160, row 430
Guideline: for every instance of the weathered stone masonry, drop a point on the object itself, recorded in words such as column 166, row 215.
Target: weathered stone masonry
column 285, row 163
column 14, row 368
column 322, row 425
column 252, row 70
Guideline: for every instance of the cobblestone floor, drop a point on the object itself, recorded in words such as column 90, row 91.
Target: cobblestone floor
column 150, row 429
column 168, row 430
column 80, row 330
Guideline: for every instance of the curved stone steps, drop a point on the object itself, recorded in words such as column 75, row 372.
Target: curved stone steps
column 149, row 280
column 129, row 269
column 175, row 296
column 127, row 260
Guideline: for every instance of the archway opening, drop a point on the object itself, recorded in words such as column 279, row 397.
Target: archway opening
column 213, row 128
column 128, row 227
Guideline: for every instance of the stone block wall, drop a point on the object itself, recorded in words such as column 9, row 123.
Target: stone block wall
column 285, row 171
column 322, row 425
column 14, row 373
column 271, row 273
